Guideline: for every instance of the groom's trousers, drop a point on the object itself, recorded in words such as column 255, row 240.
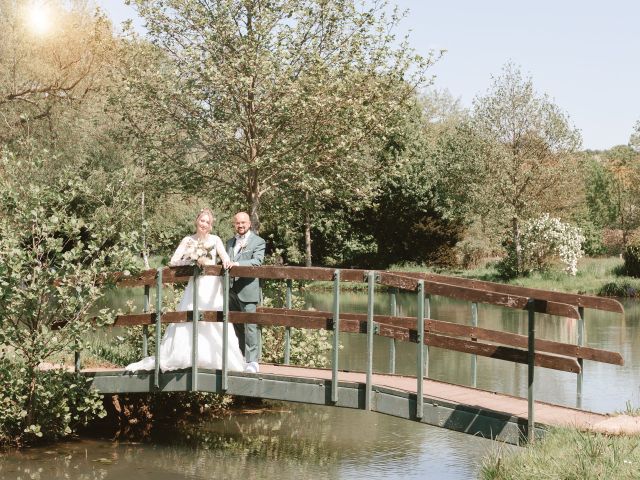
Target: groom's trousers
column 248, row 333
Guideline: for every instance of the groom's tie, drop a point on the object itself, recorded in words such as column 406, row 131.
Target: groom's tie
column 241, row 242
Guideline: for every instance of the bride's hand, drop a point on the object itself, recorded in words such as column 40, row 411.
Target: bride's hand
column 227, row 264
column 202, row 261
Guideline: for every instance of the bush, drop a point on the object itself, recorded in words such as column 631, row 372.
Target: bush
column 543, row 240
column 63, row 232
column 631, row 256
column 39, row 406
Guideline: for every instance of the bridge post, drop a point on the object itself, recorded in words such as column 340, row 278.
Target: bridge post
column 474, row 358
column 371, row 277
column 581, row 328
column 336, row 336
column 427, row 314
column 145, row 328
column 531, row 371
column 194, row 337
column 287, row 330
column 225, row 329
column 393, row 307
column 420, row 352
column 156, row 373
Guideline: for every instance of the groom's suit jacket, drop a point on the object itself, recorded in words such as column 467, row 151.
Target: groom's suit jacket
column 251, row 255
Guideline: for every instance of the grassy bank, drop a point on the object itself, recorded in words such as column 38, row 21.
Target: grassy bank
column 569, row 454
column 596, row 276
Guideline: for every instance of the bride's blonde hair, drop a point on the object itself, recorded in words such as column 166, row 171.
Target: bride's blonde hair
column 204, row 211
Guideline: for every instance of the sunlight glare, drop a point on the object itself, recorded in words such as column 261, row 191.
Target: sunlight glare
column 39, row 18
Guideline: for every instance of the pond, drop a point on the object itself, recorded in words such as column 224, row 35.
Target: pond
column 305, row 441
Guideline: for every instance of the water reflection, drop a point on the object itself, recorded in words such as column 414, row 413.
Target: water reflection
column 290, row 441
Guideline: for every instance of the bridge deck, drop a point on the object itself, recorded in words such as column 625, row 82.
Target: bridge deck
column 456, row 407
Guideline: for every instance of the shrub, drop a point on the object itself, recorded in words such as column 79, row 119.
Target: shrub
column 542, row 240
column 43, row 405
column 62, row 233
column 631, row 256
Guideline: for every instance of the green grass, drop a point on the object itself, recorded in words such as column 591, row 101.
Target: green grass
column 596, row 276
column 567, row 454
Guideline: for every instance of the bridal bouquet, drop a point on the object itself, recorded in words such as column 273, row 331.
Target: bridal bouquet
column 197, row 249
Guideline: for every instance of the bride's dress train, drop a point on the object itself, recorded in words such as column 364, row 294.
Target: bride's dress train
column 175, row 348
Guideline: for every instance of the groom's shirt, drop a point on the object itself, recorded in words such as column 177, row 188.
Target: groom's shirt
column 241, row 241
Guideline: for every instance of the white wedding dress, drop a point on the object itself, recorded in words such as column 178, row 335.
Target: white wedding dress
column 175, row 348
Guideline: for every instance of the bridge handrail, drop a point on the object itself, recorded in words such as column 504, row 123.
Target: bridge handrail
column 403, row 280
column 424, row 334
column 316, row 319
column 578, row 300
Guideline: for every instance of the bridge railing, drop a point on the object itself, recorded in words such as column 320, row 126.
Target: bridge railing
column 421, row 330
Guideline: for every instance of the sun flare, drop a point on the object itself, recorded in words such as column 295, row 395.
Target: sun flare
column 39, row 18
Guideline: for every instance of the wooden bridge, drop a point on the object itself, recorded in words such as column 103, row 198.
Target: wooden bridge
column 418, row 398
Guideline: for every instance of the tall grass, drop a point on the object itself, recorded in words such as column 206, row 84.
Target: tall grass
column 567, row 454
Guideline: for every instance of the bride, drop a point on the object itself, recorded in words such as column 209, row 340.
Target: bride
column 175, row 349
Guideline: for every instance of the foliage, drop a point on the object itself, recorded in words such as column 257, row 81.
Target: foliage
column 290, row 96
column 634, row 140
column 567, row 453
column 622, row 164
column 50, row 81
column 631, row 257
column 42, row 406
column 599, row 192
column 307, row 347
column 542, row 240
column 526, row 155
column 410, row 218
column 61, row 234
column 59, row 239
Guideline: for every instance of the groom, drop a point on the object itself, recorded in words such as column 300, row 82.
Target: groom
column 246, row 249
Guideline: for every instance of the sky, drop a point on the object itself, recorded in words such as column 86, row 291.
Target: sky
column 584, row 54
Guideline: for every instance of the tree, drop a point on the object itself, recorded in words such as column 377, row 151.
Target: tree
column 46, row 78
column 256, row 99
column 527, row 162
column 623, row 165
column 411, row 218
column 634, row 141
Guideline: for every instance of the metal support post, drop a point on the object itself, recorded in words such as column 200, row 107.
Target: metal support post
column 420, row 352
column 474, row 358
column 145, row 328
column 156, row 374
column 427, row 314
column 194, row 338
column 225, row 330
column 393, row 307
column 531, row 371
column 287, row 330
column 336, row 336
column 371, row 277
column 581, row 328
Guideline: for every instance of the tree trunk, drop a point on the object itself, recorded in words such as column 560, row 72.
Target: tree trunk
column 145, row 249
column 307, row 238
column 254, row 200
column 517, row 245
